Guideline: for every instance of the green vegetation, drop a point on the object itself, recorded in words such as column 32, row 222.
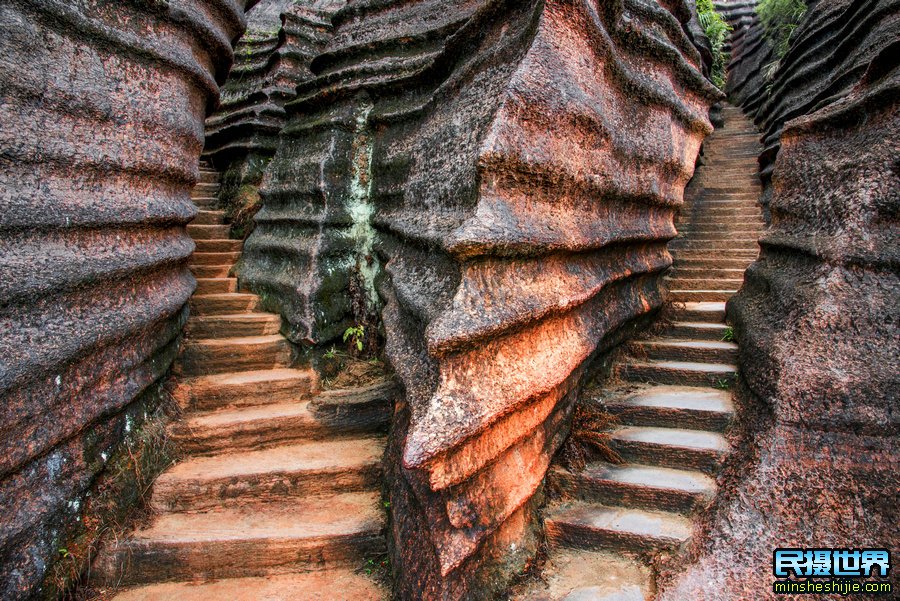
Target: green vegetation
column 729, row 335
column 355, row 334
column 722, row 384
column 779, row 18
column 716, row 30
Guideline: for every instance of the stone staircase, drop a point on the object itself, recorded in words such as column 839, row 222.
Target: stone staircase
column 673, row 401
column 277, row 493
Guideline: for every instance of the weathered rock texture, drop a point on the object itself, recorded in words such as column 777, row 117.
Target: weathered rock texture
column 817, row 316
column 271, row 59
column 102, row 109
column 540, row 242
column 517, row 166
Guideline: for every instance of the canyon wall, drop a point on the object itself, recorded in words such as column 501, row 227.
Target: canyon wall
column 502, row 178
column 817, row 316
column 102, row 104
column 271, row 59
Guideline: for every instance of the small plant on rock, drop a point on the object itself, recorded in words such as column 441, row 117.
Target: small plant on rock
column 355, row 335
column 589, row 438
column 728, row 336
column 722, row 384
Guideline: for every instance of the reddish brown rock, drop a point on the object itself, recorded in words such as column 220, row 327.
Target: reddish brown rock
column 102, row 112
column 816, row 318
column 516, row 167
column 518, row 254
column 271, row 60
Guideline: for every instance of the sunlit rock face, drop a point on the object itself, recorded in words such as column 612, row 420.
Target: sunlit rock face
column 501, row 177
column 817, row 315
column 102, row 124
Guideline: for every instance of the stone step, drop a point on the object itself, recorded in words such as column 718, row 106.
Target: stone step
column 694, row 330
column 299, row 535
column 584, row 575
column 682, row 373
column 211, row 271
column 218, row 246
column 727, row 224
column 713, row 261
column 680, row 296
column 208, row 203
column 233, row 326
column 224, row 304
column 217, row 258
column 670, row 447
column 317, row 585
column 726, row 199
column 709, row 312
column 728, row 258
column 674, row 407
column 695, row 273
column 718, row 232
column 700, row 351
column 681, row 282
column 255, row 427
column 730, row 152
column 592, row 526
column 738, row 180
column 208, row 218
column 244, row 389
column 225, row 355
column 206, row 189
column 714, row 213
column 695, row 242
column 215, row 285
column 207, row 232
column 270, row 475
column 208, row 176
column 632, row 485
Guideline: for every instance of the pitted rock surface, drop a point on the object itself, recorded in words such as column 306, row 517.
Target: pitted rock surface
column 102, row 112
column 816, row 317
column 488, row 155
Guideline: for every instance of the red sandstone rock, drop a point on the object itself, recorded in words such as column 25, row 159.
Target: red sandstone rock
column 102, row 110
column 518, row 166
column 817, row 319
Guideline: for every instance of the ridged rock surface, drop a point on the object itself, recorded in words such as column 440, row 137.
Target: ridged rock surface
column 817, row 316
column 542, row 240
column 828, row 55
column 271, row 59
column 102, row 109
column 516, row 167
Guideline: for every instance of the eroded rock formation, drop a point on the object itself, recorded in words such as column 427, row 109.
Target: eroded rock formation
column 817, row 316
column 271, row 59
column 102, row 108
column 551, row 245
column 516, row 167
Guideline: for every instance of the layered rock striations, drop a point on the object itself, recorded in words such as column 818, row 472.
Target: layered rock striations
column 102, row 108
column 271, row 59
column 511, row 282
column 827, row 57
column 816, row 317
column 515, row 167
